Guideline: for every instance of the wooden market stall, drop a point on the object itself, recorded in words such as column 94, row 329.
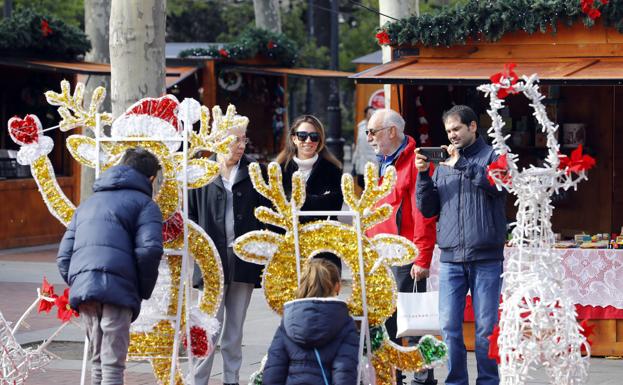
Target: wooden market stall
column 257, row 87
column 26, row 220
column 581, row 72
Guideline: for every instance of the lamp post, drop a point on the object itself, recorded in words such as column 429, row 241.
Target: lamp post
column 335, row 142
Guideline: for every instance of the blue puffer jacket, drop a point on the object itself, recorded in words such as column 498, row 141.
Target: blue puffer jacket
column 472, row 219
column 320, row 323
column 113, row 245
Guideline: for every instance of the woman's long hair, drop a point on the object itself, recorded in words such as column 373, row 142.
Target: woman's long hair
column 318, row 279
column 289, row 151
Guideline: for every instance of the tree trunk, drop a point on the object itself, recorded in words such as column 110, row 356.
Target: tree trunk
column 267, row 15
column 137, row 29
column 398, row 9
column 96, row 19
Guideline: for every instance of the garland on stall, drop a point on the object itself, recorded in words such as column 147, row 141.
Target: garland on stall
column 252, row 43
column 489, row 20
column 29, row 33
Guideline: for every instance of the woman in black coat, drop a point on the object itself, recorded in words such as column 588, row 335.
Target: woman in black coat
column 305, row 152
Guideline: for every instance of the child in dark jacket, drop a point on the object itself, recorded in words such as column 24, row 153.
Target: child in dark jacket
column 317, row 342
column 109, row 257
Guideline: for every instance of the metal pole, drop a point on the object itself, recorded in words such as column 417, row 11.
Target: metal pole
column 335, row 142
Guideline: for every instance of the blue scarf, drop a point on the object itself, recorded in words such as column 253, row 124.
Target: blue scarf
column 387, row 160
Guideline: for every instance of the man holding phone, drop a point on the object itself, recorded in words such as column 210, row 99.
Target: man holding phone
column 471, row 233
column 385, row 133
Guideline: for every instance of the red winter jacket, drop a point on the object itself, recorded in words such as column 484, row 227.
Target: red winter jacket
column 414, row 226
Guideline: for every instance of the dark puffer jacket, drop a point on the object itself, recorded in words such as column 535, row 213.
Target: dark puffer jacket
column 320, row 323
column 112, row 248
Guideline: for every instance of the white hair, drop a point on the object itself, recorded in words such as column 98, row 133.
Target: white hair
column 390, row 118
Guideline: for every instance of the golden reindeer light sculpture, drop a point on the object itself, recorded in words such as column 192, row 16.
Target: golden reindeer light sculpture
column 161, row 118
column 278, row 253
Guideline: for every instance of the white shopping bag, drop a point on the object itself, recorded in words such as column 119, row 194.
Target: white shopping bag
column 418, row 314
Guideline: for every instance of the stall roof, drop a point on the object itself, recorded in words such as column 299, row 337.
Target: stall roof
column 174, row 74
column 416, row 70
column 300, row 72
column 375, row 57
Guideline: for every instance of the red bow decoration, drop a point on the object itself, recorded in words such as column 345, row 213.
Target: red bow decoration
column 223, row 52
column 25, row 131
column 271, row 44
column 47, row 290
column 577, row 162
column 45, row 28
column 508, row 74
column 494, row 349
column 499, row 168
column 65, row 312
column 198, row 341
column 383, row 38
column 587, row 331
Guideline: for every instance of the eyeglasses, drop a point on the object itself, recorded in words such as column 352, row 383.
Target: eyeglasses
column 240, row 140
column 374, row 131
column 303, row 135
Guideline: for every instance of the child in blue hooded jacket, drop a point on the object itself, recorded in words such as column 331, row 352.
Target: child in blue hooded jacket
column 317, row 342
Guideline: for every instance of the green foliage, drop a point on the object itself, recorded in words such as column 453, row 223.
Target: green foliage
column 69, row 11
column 294, row 26
column 490, row 19
column 235, row 17
column 194, row 20
column 355, row 37
column 24, row 33
column 253, row 42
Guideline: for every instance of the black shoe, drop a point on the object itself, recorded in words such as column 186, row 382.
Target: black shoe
column 428, row 382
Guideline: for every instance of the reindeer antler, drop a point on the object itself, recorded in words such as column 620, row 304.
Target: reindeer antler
column 372, row 193
column 217, row 139
column 273, row 190
column 69, row 104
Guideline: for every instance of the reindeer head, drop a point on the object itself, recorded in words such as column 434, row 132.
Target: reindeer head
column 277, row 251
column 156, row 118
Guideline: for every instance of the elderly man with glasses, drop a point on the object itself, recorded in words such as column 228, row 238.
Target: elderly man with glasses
column 385, row 133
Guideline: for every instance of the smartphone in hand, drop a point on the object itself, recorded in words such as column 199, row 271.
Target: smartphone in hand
column 434, row 154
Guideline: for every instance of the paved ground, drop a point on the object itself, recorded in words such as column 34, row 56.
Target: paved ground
column 22, row 270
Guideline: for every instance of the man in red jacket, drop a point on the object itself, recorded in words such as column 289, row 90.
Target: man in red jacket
column 385, row 133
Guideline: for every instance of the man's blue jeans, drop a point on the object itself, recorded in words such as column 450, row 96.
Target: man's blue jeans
column 483, row 280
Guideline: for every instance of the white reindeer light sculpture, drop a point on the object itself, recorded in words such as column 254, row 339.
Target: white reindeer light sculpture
column 538, row 324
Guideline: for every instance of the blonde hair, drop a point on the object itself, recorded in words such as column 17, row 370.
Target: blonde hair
column 318, row 279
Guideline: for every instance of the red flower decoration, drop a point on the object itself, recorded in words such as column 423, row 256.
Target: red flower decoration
column 198, row 340
column 383, row 38
column 271, row 44
column 494, row 350
column 25, row 131
column 65, row 312
column 45, row 28
column 172, row 227
column 499, row 168
column 587, row 332
column 577, row 162
column 508, row 74
column 47, row 290
column 223, row 52
column 588, row 7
